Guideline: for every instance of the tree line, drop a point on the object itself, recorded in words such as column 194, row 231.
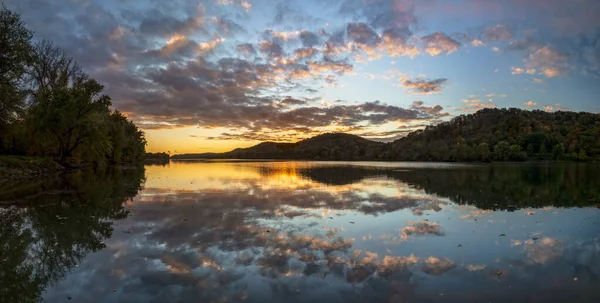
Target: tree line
column 485, row 136
column 50, row 108
column 504, row 135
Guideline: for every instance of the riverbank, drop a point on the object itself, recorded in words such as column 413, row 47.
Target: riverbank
column 23, row 167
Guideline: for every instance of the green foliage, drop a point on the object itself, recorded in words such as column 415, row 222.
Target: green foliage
column 516, row 154
column 67, row 116
column 483, row 152
column 14, row 58
column 513, row 134
column 502, row 150
column 558, row 151
column 534, row 132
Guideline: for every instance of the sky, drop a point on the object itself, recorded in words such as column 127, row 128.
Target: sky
column 212, row 75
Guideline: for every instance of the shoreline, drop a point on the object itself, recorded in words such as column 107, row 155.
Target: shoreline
column 16, row 168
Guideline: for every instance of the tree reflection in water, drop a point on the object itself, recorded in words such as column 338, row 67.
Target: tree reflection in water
column 47, row 228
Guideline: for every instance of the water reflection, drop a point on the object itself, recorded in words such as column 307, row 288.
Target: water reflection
column 47, row 228
column 302, row 232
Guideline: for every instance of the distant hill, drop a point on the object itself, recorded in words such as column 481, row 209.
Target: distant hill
column 331, row 146
column 487, row 135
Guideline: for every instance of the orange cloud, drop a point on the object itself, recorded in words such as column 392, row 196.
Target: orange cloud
column 530, row 103
column 549, row 62
column 439, row 43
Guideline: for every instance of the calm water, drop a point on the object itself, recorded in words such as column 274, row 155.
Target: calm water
column 304, row 232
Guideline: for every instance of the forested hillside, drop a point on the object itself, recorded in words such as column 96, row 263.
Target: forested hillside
column 50, row 108
column 333, row 146
column 488, row 135
column 504, row 134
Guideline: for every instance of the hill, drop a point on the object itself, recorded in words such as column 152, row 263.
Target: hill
column 330, row 146
column 487, row 135
column 504, row 134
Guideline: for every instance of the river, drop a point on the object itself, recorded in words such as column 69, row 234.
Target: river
column 239, row 231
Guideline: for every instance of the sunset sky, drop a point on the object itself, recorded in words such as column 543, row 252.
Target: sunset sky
column 212, row 75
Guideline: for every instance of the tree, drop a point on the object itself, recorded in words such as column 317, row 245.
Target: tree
column 15, row 49
column 516, row 153
column 558, row 151
column 51, row 68
column 502, row 150
column 543, row 152
column 483, row 151
column 66, row 116
column 530, row 150
column 73, row 116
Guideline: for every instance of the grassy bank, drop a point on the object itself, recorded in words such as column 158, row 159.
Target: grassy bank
column 19, row 167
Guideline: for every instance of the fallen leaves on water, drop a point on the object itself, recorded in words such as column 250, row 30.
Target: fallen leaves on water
column 498, row 273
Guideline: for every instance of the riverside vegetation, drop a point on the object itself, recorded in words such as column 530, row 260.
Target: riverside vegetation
column 53, row 115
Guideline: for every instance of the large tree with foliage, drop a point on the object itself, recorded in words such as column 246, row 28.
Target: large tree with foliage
column 15, row 56
column 66, row 115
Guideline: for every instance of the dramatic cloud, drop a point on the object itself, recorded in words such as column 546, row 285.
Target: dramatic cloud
column 305, row 52
column 437, row 266
column 362, row 33
column 540, row 251
column 548, row 61
column 434, row 110
column 272, row 49
column 171, row 64
column 497, row 33
column 246, row 48
column 424, row 86
column 421, row 228
column 309, row 39
column 439, row 43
